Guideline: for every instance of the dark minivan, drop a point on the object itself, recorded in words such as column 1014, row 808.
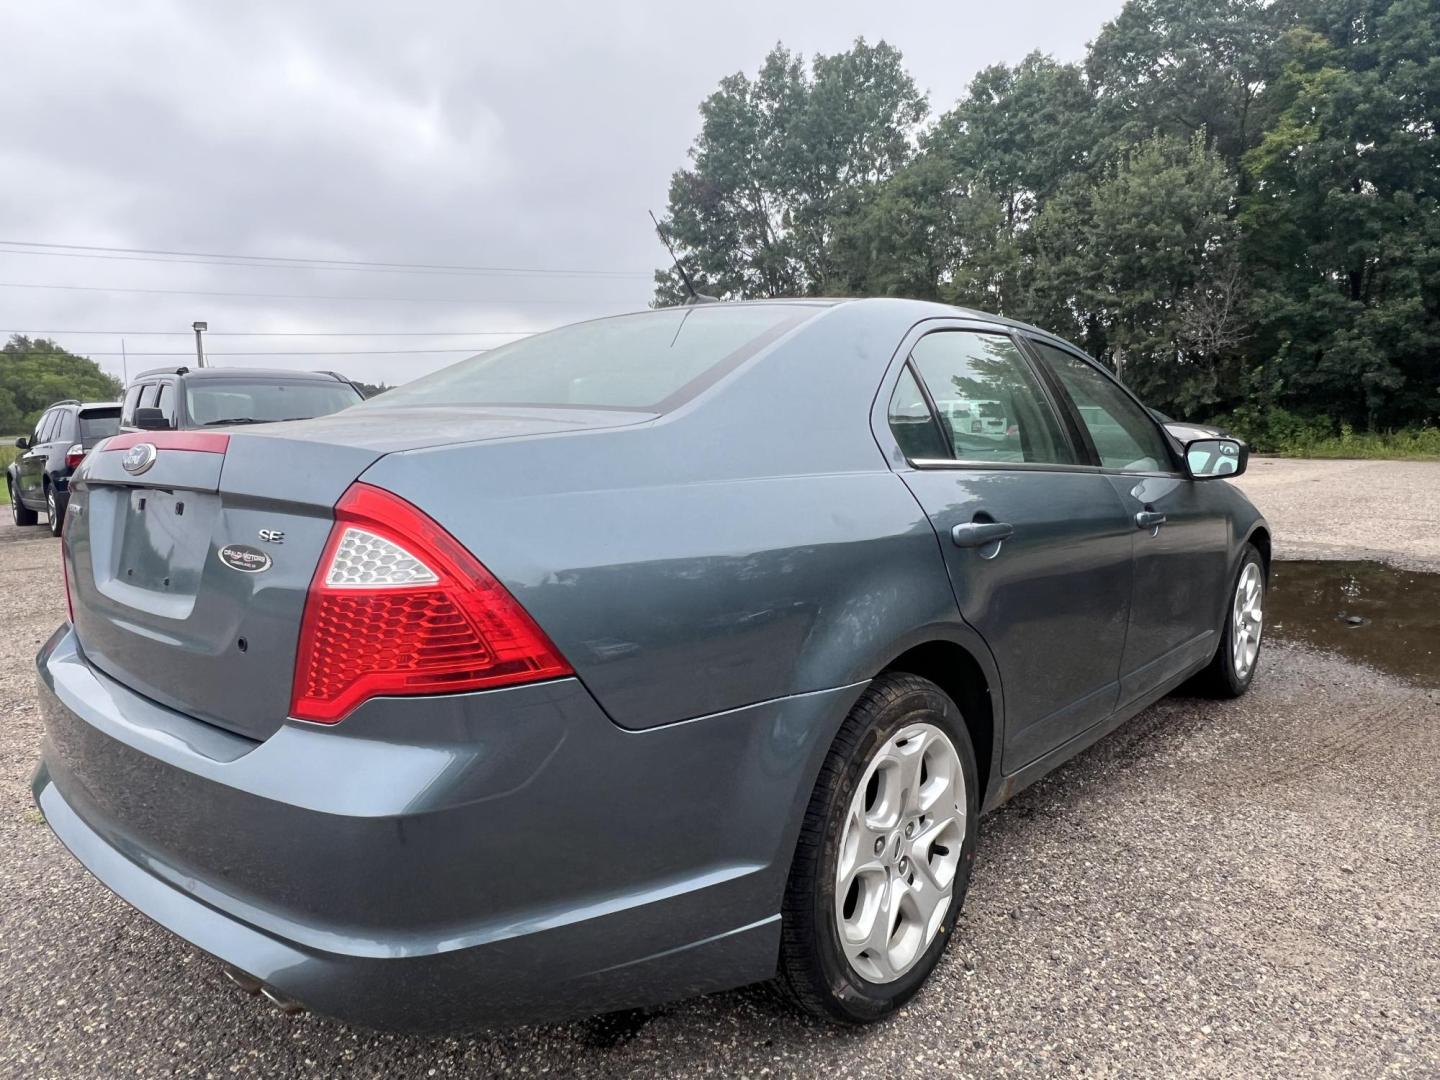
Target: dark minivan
column 39, row 478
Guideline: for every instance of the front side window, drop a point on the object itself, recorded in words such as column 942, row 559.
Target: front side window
column 38, row 435
column 989, row 402
column 649, row 361
column 1124, row 436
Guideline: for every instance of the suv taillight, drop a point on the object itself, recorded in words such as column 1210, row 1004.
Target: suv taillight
column 74, row 456
column 398, row 607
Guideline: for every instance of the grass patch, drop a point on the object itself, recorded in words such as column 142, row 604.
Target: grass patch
column 1280, row 432
column 8, row 453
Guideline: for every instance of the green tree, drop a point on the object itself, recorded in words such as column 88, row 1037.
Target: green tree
column 780, row 160
column 1343, row 221
column 35, row 374
column 1142, row 269
column 1020, row 133
column 1185, row 68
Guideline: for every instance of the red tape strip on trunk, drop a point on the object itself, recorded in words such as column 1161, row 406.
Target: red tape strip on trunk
column 202, row 442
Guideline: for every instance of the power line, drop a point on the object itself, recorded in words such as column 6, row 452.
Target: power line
column 312, row 263
column 286, row 296
column 291, row 352
column 290, row 333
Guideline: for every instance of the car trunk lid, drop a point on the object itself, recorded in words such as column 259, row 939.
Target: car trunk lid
column 190, row 563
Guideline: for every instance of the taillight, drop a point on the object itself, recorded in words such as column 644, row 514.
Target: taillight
column 397, row 607
column 74, row 456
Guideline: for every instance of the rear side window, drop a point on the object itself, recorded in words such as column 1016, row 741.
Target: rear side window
column 650, row 361
column 1125, row 436
column 64, row 426
column 132, row 402
column 166, row 402
column 988, row 399
column 912, row 422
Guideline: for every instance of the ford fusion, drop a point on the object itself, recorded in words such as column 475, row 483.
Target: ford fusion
column 642, row 658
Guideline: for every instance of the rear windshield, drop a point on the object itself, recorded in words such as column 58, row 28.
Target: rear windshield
column 650, row 361
column 236, row 401
column 99, row 423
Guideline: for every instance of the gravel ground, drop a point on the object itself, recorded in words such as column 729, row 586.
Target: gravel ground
column 1385, row 510
column 1239, row 889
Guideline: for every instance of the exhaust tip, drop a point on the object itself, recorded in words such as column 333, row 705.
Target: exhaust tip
column 243, row 979
column 288, row 1006
column 251, row 985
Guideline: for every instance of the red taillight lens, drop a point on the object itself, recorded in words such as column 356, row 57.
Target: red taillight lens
column 397, row 606
column 74, row 456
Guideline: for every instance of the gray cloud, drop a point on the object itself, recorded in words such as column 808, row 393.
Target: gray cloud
column 462, row 133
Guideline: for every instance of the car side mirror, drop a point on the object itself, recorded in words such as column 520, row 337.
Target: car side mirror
column 151, row 419
column 22, row 443
column 1210, row 459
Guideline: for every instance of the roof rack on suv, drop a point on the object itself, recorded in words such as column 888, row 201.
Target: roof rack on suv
column 335, row 375
column 64, row 401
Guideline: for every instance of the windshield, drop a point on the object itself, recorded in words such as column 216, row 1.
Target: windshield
column 98, row 424
column 226, row 401
column 650, row 361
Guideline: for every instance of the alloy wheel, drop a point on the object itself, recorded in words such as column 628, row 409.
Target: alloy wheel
column 899, row 851
column 1248, row 617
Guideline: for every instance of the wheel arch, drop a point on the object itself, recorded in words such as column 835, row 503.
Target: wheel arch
column 1260, row 537
column 957, row 671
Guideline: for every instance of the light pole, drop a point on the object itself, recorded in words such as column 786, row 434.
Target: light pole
column 199, row 329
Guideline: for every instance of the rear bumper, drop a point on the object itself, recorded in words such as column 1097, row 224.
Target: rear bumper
column 481, row 859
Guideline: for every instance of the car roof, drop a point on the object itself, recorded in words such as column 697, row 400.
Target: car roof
column 921, row 309
column 242, row 373
column 71, row 403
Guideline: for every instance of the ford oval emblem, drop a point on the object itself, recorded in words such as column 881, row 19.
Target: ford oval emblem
column 138, row 458
column 243, row 557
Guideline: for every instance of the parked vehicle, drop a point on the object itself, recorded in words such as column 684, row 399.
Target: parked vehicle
column 39, row 478
column 1185, row 431
column 642, row 658
column 174, row 399
column 979, row 417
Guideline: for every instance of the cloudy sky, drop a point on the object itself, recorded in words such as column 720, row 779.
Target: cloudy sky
column 516, row 136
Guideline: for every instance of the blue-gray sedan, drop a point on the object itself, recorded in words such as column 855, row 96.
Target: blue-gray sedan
column 642, row 658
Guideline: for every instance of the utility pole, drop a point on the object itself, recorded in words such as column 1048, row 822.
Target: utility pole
column 124, row 366
column 199, row 329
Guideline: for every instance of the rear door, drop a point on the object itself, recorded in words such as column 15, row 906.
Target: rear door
column 32, row 459
column 1179, row 536
column 1036, row 541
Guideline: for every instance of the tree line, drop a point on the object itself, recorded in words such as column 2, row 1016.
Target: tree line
column 35, row 373
column 1235, row 204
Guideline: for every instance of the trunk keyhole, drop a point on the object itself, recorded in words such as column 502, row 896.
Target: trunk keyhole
column 243, row 644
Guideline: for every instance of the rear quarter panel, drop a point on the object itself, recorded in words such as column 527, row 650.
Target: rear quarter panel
column 751, row 545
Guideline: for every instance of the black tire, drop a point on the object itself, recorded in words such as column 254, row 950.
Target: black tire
column 55, row 503
column 1220, row 679
column 814, row 971
column 21, row 514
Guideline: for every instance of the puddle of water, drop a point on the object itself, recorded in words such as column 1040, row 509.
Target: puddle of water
column 1365, row 611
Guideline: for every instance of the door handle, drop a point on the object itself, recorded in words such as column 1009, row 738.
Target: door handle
column 974, row 534
column 1149, row 519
